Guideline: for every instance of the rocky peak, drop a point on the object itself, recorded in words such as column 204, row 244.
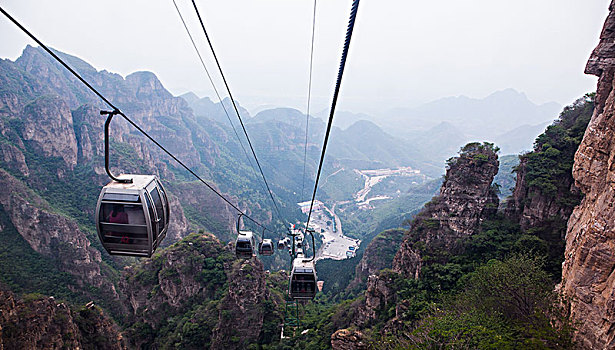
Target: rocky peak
column 37, row 63
column 466, row 198
column 172, row 277
column 589, row 268
column 147, row 86
column 601, row 63
column 243, row 307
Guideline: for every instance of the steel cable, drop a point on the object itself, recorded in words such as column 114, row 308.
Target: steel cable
column 351, row 22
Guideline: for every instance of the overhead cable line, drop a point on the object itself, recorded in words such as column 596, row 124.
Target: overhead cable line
column 353, row 17
column 307, row 116
column 237, row 111
column 218, row 95
column 118, row 112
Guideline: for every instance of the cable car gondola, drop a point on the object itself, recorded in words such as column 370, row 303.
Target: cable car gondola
column 283, row 243
column 244, row 245
column 133, row 218
column 245, row 242
column 265, row 247
column 132, row 214
column 303, row 279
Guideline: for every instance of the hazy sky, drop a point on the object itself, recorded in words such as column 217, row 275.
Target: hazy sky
column 403, row 52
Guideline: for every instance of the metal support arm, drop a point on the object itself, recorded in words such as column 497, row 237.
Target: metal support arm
column 110, row 116
column 313, row 246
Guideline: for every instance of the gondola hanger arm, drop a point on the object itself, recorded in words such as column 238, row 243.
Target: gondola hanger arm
column 110, row 115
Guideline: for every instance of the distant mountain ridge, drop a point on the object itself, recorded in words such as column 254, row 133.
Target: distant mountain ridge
column 507, row 118
column 495, row 114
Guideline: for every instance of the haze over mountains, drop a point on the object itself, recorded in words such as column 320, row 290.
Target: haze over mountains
column 439, row 128
column 422, row 137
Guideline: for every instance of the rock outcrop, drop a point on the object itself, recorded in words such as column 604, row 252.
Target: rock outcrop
column 346, row 339
column 528, row 206
column 42, row 323
column 545, row 190
column 588, row 277
column 378, row 255
column 180, row 297
column 173, row 277
column 242, row 311
column 466, row 198
column 52, row 234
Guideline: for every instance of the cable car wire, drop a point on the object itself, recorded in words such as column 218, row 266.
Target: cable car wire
column 237, row 111
column 351, row 22
column 119, row 112
column 307, row 116
column 218, row 94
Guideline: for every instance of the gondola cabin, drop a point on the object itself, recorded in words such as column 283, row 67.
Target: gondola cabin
column 265, row 247
column 303, row 279
column 283, row 243
column 132, row 218
column 245, row 244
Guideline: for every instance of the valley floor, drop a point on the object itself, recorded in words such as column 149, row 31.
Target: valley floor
column 335, row 245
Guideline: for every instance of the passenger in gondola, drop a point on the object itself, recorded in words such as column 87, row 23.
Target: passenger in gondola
column 117, row 215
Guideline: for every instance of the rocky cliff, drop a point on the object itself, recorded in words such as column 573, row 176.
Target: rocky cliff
column 466, row 198
column 43, row 323
column 545, row 194
column 195, row 294
column 378, row 255
column 545, row 188
column 242, row 311
column 588, row 270
column 53, row 235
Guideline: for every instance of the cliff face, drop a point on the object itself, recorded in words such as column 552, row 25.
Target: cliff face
column 530, row 207
column 378, row 255
column 195, row 294
column 589, row 268
column 545, row 189
column 242, row 310
column 466, row 198
column 52, row 235
column 42, row 323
